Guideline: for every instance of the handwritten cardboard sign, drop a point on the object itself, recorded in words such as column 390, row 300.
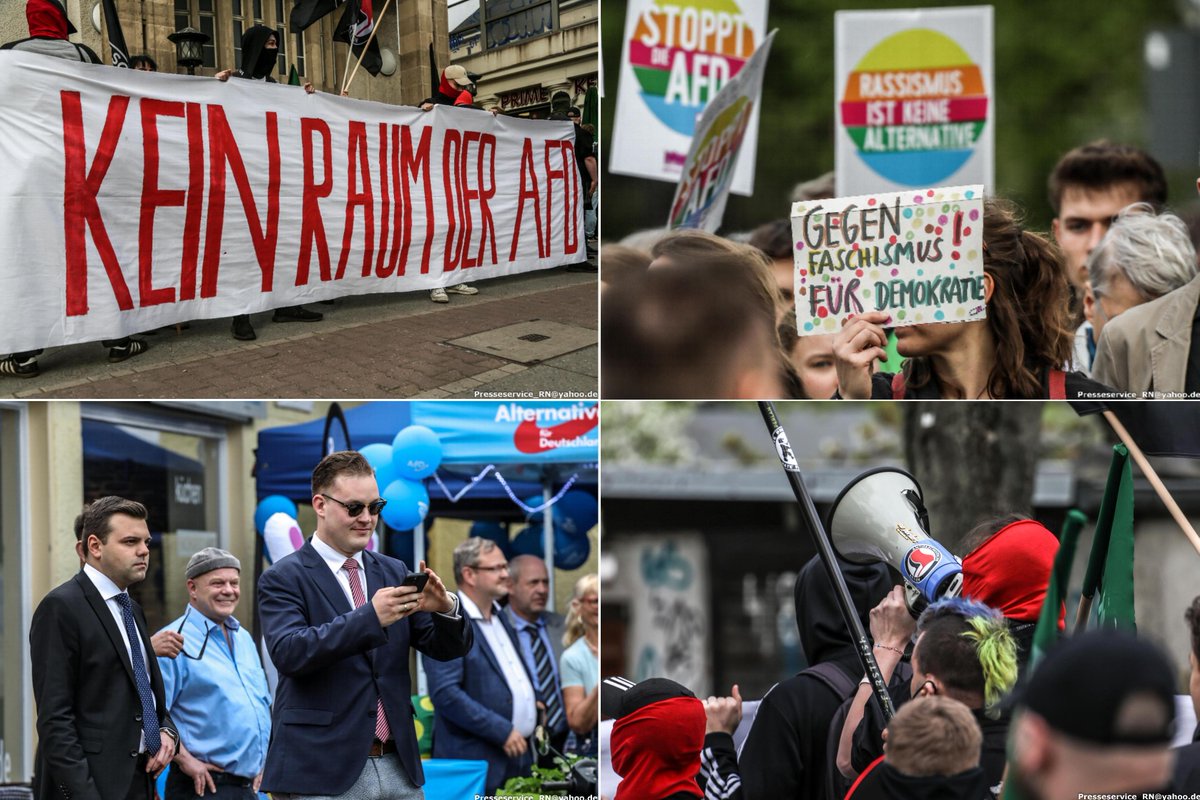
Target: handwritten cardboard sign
column 918, row 255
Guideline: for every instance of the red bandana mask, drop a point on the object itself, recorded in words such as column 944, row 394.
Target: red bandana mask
column 656, row 749
column 1011, row 570
column 46, row 19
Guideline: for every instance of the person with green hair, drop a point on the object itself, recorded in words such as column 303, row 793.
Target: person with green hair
column 963, row 650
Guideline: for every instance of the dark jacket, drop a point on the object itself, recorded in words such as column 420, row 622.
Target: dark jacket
column 882, row 781
column 473, row 708
column 785, row 752
column 335, row 662
column 89, row 719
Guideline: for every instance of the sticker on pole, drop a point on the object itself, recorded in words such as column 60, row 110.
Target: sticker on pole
column 784, row 450
column 917, row 255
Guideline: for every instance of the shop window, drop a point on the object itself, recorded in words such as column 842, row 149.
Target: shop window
column 176, row 475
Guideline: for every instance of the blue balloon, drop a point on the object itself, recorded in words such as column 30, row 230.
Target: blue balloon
column 528, row 542
column 571, row 551
column 379, row 456
column 407, row 504
column 416, row 453
column 272, row 505
column 492, row 531
column 576, row 512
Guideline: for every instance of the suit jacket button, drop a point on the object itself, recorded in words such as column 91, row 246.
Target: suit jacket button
column 137, row 717
column 133, row 754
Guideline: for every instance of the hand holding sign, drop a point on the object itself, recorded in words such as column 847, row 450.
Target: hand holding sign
column 858, row 345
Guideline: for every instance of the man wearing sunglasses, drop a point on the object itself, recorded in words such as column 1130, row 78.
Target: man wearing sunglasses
column 215, row 688
column 338, row 625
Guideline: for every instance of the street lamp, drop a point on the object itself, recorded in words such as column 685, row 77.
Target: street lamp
column 189, row 48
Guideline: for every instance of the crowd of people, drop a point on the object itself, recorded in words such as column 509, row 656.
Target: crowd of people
column 115, row 705
column 49, row 30
column 1105, row 306
column 975, row 717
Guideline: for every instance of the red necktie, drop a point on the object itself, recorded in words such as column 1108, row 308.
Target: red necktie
column 382, row 732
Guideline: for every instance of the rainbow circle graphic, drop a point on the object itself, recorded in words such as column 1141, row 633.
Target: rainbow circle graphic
column 677, row 50
column 915, row 106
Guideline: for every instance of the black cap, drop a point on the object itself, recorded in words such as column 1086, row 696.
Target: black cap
column 573, row 111
column 621, row 696
column 1105, row 687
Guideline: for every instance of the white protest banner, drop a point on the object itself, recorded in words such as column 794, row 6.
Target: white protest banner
column 133, row 200
column 708, row 172
column 676, row 57
column 918, row 255
column 914, row 99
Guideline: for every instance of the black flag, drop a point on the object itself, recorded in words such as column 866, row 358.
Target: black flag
column 1159, row 428
column 306, row 12
column 116, row 37
column 355, row 28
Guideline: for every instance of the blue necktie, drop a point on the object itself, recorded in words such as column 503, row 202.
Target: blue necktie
column 544, row 675
column 141, row 677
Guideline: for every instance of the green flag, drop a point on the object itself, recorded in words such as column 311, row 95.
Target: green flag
column 293, row 76
column 1110, row 564
column 1046, row 632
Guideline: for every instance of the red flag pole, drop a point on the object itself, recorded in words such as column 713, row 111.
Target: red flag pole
column 1159, row 487
column 374, row 30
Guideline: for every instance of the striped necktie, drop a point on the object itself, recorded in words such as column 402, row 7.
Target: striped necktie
column 141, row 678
column 382, row 732
column 544, row 674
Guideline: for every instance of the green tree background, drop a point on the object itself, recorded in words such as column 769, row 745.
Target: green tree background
column 1066, row 72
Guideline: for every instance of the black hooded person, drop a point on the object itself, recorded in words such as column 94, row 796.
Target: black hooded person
column 260, row 49
column 786, row 752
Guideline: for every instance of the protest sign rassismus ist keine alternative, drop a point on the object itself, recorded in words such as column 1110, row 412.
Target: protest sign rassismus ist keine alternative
column 917, row 255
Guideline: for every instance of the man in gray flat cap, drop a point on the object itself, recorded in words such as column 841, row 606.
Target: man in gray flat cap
column 216, row 689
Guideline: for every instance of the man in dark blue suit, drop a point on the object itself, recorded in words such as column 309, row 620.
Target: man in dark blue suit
column 342, row 724
column 485, row 705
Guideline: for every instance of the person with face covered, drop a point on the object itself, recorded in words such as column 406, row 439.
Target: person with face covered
column 260, row 49
column 667, row 744
column 785, row 753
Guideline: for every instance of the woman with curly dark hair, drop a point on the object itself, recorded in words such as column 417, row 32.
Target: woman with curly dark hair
column 1018, row 352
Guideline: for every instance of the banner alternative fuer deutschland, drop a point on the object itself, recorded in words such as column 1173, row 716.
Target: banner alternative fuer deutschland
column 134, row 200
column 914, row 99
column 703, row 188
column 917, row 255
column 677, row 55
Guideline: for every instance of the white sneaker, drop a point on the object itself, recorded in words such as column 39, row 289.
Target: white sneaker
column 462, row 288
column 439, row 296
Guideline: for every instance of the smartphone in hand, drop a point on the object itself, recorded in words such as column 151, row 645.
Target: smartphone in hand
column 417, row 579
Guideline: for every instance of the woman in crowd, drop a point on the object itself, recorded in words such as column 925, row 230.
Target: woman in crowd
column 580, row 666
column 1016, row 353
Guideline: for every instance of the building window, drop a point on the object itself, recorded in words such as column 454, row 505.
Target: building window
column 239, row 28
column 173, row 467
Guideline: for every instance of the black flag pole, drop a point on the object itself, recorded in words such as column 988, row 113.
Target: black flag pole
column 825, row 550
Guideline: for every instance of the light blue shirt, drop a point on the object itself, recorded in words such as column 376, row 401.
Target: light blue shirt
column 579, row 666
column 220, row 703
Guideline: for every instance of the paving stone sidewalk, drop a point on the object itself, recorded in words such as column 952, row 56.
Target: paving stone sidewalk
column 394, row 346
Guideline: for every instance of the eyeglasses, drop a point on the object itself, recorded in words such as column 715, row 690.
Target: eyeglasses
column 497, row 568
column 183, row 650
column 354, row 507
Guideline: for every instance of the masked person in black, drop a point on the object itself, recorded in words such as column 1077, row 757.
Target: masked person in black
column 786, row 753
column 260, row 49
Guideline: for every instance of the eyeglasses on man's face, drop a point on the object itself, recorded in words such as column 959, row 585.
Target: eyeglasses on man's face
column 497, row 568
column 355, row 507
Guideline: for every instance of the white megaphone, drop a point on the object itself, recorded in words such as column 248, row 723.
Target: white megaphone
column 881, row 516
